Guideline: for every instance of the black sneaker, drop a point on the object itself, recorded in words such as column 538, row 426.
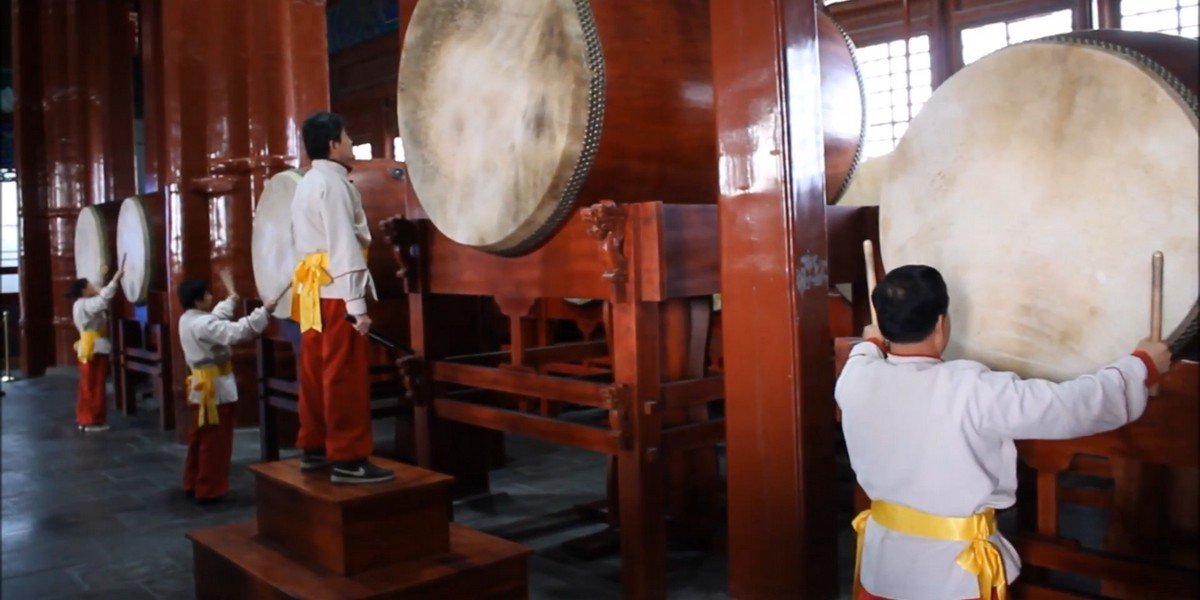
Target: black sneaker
column 312, row 460
column 359, row 471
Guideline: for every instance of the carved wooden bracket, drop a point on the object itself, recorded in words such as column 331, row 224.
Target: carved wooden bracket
column 606, row 222
column 617, row 399
column 404, row 237
column 412, row 372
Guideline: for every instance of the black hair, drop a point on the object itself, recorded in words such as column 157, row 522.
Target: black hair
column 192, row 291
column 77, row 288
column 909, row 301
column 319, row 130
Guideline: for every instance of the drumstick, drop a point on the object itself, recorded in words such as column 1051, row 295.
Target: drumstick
column 1156, row 285
column 869, row 257
column 1156, row 289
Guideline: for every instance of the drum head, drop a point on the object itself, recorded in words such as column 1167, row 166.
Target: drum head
column 865, row 186
column 1039, row 181
column 499, row 167
column 93, row 257
column 273, row 254
column 133, row 247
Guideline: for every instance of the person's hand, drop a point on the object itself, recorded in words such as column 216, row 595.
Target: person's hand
column 362, row 324
column 871, row 331
column 270, row 306
column 1158, row 352
column 117, row 276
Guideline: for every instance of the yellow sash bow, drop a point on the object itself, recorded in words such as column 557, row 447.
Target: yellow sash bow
column 980, row 558
column 307, row 279
column 86, row 346
column 309, row 276
column 203, row 382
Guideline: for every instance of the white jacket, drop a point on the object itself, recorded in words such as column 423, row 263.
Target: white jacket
column 91, row 314
column 938, row 437
column 207, row 336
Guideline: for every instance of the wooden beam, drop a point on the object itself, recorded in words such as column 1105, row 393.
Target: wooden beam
column 517, row 382
column 531, row 425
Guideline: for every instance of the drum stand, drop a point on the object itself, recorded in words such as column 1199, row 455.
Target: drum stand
column 657, row 266
column 142, row 345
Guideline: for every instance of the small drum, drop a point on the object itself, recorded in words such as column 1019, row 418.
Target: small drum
column 140, row 246
column 513, row 112
column 95, row 238
column 273, row 255
column 1039, row 181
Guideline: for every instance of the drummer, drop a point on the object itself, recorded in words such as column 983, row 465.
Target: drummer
column 206, row 332
column 931, row 442
column 90, row 313
column 331, row 281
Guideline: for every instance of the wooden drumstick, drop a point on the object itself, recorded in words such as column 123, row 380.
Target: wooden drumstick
column 1156, row 289
column 869, row 257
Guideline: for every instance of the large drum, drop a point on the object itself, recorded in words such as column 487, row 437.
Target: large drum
column 140, row 246
column 381, row 184
column 512, row 112
column 1040, row 180
column 95, row 239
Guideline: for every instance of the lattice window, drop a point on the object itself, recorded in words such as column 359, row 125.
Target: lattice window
column 397, row 149
column 897, row 87
column 978, row 42
column 1179, row 17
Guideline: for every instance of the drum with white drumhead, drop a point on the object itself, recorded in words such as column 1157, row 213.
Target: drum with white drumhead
column 513, row 113
column 140, row 246
column 1039, row 181
column 95, row 240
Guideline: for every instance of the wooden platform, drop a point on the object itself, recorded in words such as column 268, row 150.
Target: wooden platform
column 316, row 539
column 232, row 562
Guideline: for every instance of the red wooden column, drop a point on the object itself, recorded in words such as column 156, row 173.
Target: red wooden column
column 37, row 345
column 76, row 141
column 774, row 280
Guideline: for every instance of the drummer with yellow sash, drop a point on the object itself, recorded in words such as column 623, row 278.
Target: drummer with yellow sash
column 90, row 313
column 931, row 443
column 206, row 332
column 331, row 281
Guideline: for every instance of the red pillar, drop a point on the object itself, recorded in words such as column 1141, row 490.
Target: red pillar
column 778, row 353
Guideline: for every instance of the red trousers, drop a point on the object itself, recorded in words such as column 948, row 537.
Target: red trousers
column 209, row 451
column 91, row 408
column 335, row 392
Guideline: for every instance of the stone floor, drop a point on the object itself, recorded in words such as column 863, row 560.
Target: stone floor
column 101, row 515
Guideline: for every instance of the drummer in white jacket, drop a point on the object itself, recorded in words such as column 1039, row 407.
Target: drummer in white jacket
column 931, row 443
column 206, row 332
column 90, row 315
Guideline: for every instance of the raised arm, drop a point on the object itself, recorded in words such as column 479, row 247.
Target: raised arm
column 1039, row 409
column 227, row 333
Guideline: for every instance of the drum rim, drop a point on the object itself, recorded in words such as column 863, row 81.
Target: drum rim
column 144, row 290
column 832, row 199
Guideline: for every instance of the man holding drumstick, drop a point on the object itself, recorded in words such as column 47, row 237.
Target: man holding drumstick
column 931, row 442
column 331, row 282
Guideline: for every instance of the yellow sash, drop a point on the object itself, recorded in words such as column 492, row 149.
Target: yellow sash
column 203, row 381
column 86, row 346
column 981, row 557
column 311, row 273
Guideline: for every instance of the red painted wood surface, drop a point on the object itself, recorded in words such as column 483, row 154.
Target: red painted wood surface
column 779, row 379
column 74, row 104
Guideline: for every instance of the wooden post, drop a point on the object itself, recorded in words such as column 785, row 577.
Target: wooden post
column 778, row 362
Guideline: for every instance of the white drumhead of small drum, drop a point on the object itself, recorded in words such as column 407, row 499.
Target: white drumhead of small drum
column 494, row 102
column 93, row 257
column 1039, row 181
column 133, row 248
column 866, row 183
column 273, row 254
